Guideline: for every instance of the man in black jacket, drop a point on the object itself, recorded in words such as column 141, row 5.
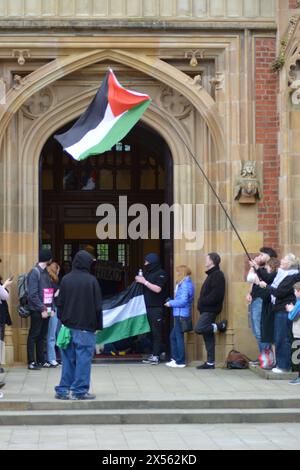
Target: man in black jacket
column 210, row 306
column 155, row 282
column 39, row 282
column 79, row 309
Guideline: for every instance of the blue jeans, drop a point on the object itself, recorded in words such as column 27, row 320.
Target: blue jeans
column 256, row 322
column 51, row 339
column 283, row 340
column 177, row 343
column 77, row 364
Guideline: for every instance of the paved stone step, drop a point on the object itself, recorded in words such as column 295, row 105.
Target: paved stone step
column 173, row 405
column 269, row 375
column 146, row 417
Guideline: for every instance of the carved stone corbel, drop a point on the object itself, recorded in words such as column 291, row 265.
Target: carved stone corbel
column 248, row 189
column 19, row 82
column 218, row 81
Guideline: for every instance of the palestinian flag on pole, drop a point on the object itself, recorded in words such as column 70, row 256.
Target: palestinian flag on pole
column 124, row 316
column 112, row 114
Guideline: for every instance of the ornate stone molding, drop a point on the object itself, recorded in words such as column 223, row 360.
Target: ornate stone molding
column 247, row 188
column 295, row 91
column 39, row 103
column 175, row 103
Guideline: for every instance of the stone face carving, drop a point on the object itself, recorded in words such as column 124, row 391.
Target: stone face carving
column 175, row 103
column 21, row 55
column 39, row 103
column 247, row 188
column 295, row 89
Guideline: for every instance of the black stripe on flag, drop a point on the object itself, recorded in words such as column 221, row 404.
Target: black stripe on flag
column 89, row 120
column 135, row 290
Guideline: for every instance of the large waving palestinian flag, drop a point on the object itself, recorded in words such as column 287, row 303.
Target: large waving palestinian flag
column 124, row 316
column 112, row 114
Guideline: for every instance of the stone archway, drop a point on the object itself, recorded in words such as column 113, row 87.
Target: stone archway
column 22, row 206
column 29, row 157
column 152, row 67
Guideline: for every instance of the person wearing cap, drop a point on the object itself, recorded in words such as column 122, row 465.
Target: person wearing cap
column 40, row 287
column 258, row 297
column 155, row 282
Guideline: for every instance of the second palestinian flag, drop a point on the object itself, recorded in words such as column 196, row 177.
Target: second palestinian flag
column 124, row 316
column 112, row 114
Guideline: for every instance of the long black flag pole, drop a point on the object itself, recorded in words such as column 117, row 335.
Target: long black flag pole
column 213, row 189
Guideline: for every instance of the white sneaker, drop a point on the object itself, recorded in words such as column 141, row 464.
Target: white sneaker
column 54, row 363
column 180, row 366
column 278, row 371
column 171, row 363
column 1, row 395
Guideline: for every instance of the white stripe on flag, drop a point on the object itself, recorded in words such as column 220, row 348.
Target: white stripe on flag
column 134, row 308
column 95, row 136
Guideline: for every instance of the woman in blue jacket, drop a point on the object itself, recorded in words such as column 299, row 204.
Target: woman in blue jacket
column 182, row 308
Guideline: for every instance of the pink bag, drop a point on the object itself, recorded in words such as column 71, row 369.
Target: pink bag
column 267, row 359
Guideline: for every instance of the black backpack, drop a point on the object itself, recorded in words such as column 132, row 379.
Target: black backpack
column 23, row 308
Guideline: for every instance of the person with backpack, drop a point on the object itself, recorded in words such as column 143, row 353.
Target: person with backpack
column 80, row 311
column 53, row 271
column 40, row 302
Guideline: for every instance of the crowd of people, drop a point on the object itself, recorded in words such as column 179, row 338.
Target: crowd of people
column 274, row 307
column 73, row 303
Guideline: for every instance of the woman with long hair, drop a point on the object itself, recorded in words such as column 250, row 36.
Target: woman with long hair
column 53, row 271
column 182, row 311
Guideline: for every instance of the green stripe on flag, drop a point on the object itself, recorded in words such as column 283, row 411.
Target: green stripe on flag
column 118, row 132
column 126, row 329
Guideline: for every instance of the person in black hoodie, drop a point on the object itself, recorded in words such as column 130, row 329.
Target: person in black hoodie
column 79, row 309
column 210, row 306
column 155, row 283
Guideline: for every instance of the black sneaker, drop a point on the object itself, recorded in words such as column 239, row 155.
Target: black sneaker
column 2, row 371
column 206, row 366
column 86, row 397
column 34, row 366
column 62, row 397
column 45, row 365
column 223, row 326
column 2, row 384
column 152, row 360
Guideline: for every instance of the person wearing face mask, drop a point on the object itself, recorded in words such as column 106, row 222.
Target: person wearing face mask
column 40, row 301
column 155, row 282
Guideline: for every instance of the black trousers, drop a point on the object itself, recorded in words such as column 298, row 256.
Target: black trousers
column 37, row 338
column 156, row 319
column 2, row 335
column 204, row 327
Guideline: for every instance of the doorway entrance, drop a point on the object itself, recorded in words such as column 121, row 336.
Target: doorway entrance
column 140, row 168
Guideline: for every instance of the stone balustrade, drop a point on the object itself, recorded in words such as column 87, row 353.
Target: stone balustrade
column 192, row 10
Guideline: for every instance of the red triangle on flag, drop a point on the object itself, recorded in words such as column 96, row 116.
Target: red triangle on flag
column 120, row 99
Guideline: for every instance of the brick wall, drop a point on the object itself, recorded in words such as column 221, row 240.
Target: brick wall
column 267, row 127
column 293, row 4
